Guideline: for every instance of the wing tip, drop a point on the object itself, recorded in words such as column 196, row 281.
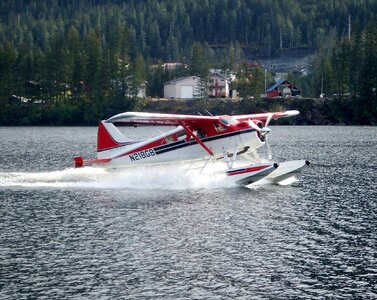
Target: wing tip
column 291, row 113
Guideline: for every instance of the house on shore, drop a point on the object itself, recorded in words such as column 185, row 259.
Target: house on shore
column 218, row 86
column 182, row 88
column 283, row 88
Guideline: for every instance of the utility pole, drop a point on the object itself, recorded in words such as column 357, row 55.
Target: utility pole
column 265, row 81
column 321, row 95
column 349, row 27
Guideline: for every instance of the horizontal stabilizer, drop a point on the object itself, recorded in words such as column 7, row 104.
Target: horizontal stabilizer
column 80, row 162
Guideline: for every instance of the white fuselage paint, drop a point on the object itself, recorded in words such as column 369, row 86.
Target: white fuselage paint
column 179, row 151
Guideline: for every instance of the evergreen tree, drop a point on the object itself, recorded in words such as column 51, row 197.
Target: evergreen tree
column 7, row 60
column 199, row 67
column 82, row 54
column 367, row 104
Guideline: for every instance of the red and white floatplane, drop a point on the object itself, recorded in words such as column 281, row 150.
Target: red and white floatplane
column 194, row 139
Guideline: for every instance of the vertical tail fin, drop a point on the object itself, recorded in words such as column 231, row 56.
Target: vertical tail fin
column 109, row 137
column 104, row 139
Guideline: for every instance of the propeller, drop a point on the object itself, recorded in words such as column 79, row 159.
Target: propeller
column 269, row 152
column 267, row 130
column 268, row 119
column 255, row 126
column 263, row 132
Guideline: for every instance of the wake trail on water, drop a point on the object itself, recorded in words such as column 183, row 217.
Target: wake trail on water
column 155, row 177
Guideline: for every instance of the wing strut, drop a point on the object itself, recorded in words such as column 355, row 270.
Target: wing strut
column 189, row 132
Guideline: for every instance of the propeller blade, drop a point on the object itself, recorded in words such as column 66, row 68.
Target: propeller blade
column 255, row 126
column 265, row 130
column 269, row 117
column 269, row 152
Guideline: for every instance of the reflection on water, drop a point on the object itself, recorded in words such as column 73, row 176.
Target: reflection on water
column 69, row 238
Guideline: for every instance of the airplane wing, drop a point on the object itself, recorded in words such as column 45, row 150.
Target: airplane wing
column 143, row 118
column 269, row 115
column 158, row 119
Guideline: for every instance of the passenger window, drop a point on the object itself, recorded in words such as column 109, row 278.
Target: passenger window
column 200, row 133
column 169, row 139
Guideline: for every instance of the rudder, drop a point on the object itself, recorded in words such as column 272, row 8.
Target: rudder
column 106, row 136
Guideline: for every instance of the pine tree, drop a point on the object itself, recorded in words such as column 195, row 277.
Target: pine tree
column 199, row 67
column 7, row 60
column 368, row 95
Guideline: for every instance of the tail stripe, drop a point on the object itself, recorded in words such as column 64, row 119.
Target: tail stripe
column 104, row 140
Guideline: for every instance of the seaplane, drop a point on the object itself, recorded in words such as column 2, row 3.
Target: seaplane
column 194, row 139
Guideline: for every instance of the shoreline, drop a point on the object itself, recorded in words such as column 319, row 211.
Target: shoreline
column 313, row 111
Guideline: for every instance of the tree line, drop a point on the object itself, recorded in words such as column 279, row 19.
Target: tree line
column 345, row 73
column 75, row 62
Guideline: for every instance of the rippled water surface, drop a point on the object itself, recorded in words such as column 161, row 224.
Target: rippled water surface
column 88, row 234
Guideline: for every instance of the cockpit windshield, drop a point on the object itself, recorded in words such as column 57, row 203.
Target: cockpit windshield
column 228, row 120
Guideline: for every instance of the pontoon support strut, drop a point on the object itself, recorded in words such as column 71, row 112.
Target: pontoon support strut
column 189, row 132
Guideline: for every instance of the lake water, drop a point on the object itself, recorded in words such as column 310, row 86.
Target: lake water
column 87, row 234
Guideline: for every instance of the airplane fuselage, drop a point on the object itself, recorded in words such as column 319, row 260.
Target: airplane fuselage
column 178, row 145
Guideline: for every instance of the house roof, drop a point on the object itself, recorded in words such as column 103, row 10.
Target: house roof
column 180, row 79
column 275, row 85
column 217, row 74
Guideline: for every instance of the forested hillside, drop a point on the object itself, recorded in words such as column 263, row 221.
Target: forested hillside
column 84, row 59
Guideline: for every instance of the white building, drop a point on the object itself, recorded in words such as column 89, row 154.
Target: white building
column 218, row 85
column 142, row 90
column 182, row 88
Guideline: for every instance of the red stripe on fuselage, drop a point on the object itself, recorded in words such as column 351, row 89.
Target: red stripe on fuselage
column 247, row 170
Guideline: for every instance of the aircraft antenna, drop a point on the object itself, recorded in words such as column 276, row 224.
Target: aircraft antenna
column 209, row 113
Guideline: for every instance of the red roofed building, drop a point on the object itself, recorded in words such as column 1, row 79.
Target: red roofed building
column 283, row 88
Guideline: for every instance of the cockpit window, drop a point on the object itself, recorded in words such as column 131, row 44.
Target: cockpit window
column 181, row 135
column 200, row 133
